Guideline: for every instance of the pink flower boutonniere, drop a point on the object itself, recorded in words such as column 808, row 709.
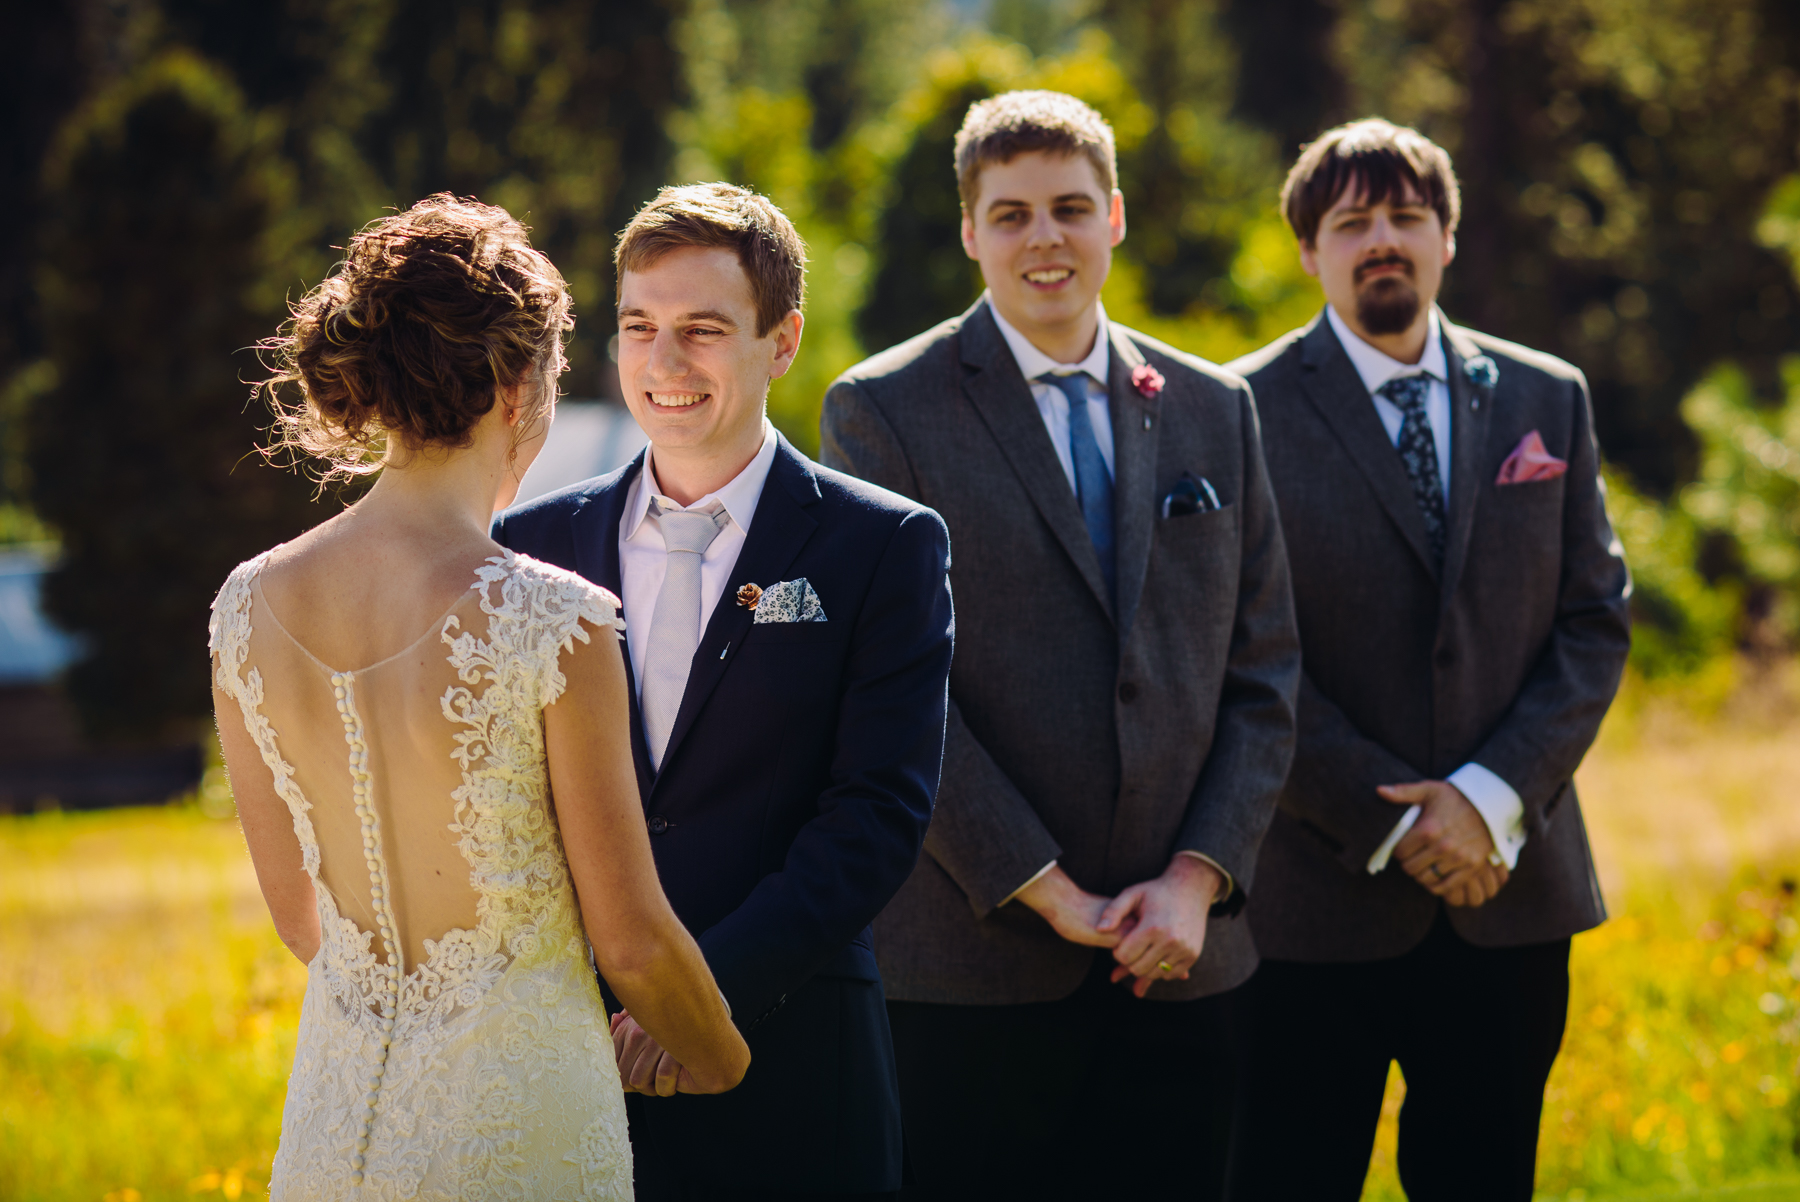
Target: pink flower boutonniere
column 1147, row 380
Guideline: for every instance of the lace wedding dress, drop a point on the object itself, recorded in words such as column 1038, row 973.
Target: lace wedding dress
column 453, row 1044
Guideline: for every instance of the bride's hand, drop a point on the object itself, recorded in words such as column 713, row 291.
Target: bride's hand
column 645, row 1068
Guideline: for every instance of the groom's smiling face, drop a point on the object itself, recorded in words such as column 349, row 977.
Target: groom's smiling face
column 693, row 368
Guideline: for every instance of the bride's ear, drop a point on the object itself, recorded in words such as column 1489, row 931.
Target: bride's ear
column 510, row 408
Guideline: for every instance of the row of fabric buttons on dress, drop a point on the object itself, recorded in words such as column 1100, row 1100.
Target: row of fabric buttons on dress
column 362, row 794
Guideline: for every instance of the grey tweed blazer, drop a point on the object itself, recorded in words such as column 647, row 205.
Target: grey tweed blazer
column 1510, row 659
column 1104, row 739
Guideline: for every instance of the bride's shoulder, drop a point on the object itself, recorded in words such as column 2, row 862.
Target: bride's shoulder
column 553, row 593
column 230, row 610
column 237, row 583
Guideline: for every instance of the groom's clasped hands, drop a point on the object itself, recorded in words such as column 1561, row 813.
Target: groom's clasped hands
column 1156, row 928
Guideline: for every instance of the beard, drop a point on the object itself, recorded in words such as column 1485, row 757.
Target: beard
column 1389, row 306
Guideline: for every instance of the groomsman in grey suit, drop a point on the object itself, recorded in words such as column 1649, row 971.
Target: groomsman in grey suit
column 1462, row 611
column 1121, row 699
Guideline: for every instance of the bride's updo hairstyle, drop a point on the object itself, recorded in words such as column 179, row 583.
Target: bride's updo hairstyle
column 406, row 344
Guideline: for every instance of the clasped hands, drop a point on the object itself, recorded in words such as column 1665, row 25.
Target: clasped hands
column 643, row 1065
column 1449, row 849
column 1156, row 929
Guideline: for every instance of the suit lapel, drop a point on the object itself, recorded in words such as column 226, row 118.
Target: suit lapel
column 1135, row 430
column 1337, row 392
column 1003, row 399
column 779, row 530
column 597, row 559
column 1469, row 419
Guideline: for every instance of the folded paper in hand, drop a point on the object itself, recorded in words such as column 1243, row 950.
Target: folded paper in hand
column 789, row 601
column 1530, row 461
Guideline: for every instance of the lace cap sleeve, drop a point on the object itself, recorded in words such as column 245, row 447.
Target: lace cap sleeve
column 228, row 629
column 559, row 602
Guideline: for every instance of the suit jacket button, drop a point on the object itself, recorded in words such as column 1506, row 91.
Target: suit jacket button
column 658, row 825
column 1128, row 692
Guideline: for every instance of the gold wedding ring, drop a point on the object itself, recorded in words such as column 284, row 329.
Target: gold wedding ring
column 1164, row 965
column 1437, row 872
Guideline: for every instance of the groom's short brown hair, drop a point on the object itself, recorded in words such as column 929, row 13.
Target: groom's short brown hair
column 1000, row 128
column 768, row 246
column 1376, row 157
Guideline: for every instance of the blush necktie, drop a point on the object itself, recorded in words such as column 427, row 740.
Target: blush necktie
column 1093, row 484
column 1418, row 452
column 675, row 625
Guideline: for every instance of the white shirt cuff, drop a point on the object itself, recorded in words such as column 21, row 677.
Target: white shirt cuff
column 1229, row 885
column 1498, row 804
column 1028, row 884
column 1379, row 860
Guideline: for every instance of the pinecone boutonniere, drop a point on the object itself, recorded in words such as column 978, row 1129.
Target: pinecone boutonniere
column 748, row 596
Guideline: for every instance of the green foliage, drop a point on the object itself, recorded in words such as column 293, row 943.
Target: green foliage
column 790, row 98
column 156, row 268
column 1749, row 492
column 1680, row 622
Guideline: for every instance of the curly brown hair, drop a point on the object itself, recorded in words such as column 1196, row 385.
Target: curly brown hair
column 409, row 340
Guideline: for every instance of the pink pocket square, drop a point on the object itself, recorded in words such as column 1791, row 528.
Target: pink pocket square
column 1530, row 461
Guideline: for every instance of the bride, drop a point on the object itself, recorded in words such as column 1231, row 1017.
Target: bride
column 427, row 738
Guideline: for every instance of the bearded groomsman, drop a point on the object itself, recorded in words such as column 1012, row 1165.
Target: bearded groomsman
column 1121, row 700
column 1461, row 601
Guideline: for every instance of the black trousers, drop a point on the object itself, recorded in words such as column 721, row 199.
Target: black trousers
column 1098, row 1095
column 1475, row 1031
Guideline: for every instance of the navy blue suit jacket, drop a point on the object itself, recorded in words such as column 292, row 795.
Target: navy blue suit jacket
column 791, row 804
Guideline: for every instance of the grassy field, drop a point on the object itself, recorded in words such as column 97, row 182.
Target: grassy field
column 147, row 1011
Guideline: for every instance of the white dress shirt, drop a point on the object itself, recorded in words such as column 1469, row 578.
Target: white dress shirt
column 1053, row 407
column 643, row 559
column 1497, row 802
column 1053, row 402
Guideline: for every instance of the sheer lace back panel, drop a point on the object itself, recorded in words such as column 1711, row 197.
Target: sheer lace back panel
column 329, row 718
column 420, row 795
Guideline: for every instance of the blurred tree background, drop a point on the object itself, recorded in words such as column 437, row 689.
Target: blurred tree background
column 175, row 169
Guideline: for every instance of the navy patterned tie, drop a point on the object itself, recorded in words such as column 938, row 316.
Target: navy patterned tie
column 1093, row 486
column 1418, row 451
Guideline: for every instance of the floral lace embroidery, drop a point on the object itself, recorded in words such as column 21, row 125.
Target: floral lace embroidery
column 499, row 1082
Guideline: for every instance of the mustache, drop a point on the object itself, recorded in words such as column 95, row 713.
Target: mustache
column 1390, row 260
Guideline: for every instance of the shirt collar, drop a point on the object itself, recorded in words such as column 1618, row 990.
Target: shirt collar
column 738, row 498
column 1377, row 368
column 1035, row 363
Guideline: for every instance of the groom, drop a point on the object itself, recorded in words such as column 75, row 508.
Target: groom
column 788, row 632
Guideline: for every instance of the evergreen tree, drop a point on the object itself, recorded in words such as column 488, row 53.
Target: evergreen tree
column 155, row 258
column 924, row 275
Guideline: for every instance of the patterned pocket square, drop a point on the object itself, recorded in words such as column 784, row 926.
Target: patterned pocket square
column 789, row 601
column 1530, row 461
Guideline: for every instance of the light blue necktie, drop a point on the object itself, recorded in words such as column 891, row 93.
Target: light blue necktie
column 1093, row 486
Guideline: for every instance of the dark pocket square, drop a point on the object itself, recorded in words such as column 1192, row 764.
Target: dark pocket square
column 1191, row 494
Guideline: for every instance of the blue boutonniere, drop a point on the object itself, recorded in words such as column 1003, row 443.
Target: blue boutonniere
column 1482, row 371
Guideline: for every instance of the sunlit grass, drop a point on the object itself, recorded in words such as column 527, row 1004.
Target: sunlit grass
column 147, row 1011
column 1678, row 1072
